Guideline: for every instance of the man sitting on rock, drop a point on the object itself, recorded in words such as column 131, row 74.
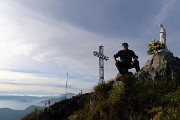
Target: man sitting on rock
column 128, row 60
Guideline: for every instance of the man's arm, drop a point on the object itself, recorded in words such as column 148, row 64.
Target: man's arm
column 116, row 56
column 135, row 57
column 115, row 59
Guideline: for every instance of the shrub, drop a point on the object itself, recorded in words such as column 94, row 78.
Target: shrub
column 77, row 115
column 102, row 89
column 116, row 93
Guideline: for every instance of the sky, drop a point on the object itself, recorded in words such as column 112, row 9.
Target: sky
column 42, row 40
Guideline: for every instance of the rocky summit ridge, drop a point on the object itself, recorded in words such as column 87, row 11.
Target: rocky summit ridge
column 161, row 66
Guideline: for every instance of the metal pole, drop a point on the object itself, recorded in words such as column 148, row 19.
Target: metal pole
column 66, row 86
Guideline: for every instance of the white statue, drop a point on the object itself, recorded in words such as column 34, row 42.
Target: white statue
column 163, row 35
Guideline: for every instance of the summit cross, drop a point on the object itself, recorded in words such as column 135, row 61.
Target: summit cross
column 101, row 57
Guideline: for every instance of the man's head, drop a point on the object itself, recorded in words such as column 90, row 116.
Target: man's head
column 125, row 46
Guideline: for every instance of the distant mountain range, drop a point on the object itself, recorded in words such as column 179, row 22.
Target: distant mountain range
column 22, row 102
column 57, row 99
column 9, row 114
column 34, row 101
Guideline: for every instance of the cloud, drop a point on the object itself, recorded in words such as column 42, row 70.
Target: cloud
column 55, row 41
column 164, row 11
column 37, row 51
column 25, row 83
column 40, row 43
column 36, row 54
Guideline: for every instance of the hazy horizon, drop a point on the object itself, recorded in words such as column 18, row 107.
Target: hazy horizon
column 23, row 102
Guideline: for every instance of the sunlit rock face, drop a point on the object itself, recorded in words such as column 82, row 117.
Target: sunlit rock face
column 161, row 66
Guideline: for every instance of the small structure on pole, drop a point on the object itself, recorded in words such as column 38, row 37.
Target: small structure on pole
column 101, row 57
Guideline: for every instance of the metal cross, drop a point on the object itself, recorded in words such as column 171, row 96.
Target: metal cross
column 101, row 57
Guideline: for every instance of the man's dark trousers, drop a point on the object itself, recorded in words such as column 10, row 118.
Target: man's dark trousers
column 124, row 66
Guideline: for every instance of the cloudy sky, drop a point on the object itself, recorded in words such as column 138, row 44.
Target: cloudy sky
column 42, row 40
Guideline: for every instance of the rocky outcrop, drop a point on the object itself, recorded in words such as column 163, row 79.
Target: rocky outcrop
column 162, row 66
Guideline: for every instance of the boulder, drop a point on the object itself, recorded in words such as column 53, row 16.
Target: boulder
column 161, row 66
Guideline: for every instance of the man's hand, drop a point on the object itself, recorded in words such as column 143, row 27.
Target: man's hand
column 135, row 59
column 115, row 60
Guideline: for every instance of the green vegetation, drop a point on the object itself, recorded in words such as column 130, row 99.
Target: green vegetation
column 124, row 98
